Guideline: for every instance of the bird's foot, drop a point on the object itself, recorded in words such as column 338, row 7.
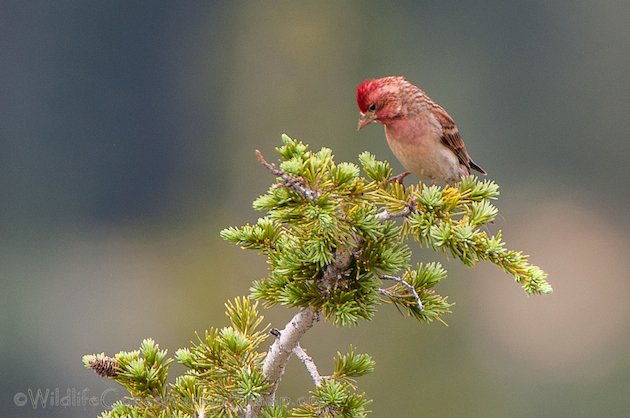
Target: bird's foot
column 399, row 178
column 411, row 204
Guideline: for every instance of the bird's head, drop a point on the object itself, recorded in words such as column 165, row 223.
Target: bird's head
column 379, row 100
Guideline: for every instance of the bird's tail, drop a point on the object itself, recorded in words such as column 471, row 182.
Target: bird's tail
column 477, row 168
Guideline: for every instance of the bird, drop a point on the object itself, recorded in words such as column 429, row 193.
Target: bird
column 420, row 133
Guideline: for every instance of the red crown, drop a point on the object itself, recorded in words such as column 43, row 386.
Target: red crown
column 363, row 91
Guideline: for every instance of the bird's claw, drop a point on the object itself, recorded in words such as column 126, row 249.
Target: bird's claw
column 399, row 178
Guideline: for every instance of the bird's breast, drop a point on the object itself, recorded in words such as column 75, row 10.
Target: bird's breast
column 416, row 143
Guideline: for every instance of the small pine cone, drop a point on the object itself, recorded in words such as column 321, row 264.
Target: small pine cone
column 105, row 366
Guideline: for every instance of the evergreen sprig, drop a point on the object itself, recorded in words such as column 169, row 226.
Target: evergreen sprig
column 317, row 210
column 334, row 398
column 351, row 365
column 338, row 245
column 224, row 371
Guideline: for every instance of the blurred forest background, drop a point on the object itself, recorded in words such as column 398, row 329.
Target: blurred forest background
column 128, row 132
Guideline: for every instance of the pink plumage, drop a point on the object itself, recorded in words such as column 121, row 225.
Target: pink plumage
column 420, row 133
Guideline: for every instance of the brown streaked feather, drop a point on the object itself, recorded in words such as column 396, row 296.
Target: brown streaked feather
column 452, row 139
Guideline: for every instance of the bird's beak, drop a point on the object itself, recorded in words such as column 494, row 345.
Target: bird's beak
column 365, row 119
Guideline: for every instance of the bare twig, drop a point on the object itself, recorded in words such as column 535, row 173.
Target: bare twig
column 309, row 364
column 384, row 215
column 293, row 182
column 279, row 353
column 300, row 353
column 281, row 349
column 409, row 287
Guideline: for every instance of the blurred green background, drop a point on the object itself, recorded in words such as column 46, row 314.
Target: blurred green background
column 128, row 132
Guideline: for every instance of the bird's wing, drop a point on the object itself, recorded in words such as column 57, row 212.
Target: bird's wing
column 452, row 139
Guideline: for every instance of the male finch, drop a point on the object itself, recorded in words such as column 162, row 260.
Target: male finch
column 420, row 133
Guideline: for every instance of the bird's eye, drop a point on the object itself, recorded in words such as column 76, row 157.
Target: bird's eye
column 372, row 107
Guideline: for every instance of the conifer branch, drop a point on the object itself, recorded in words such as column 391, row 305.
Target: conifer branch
column 331, row 237
column 279, row 353
column 410, row 208
column 384, row 215
column 293, row 182
column 310, row 365
column 409, row 287
column 300, row 353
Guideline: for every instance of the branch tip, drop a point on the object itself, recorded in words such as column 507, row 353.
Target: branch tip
column 297, row 184
column 409, row 287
